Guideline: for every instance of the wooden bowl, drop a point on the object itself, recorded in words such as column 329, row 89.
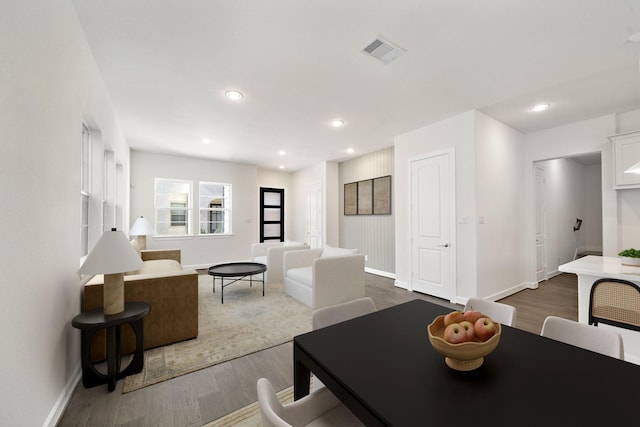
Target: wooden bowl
column 465, row 356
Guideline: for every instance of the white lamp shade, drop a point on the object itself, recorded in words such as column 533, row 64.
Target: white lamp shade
column 142, row 227
column 112, row 254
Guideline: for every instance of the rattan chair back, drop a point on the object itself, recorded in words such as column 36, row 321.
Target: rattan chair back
column 615, row 302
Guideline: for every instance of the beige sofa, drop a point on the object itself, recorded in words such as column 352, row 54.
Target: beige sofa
column 322, row 277
column 171, row 291
column 271, row 254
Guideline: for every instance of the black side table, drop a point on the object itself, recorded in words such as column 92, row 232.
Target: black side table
column 93, row 320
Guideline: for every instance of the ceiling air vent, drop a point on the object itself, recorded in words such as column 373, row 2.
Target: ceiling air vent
column 383, row 50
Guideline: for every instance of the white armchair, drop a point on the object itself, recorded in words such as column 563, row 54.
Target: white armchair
column 271, row 255
column 322, row 277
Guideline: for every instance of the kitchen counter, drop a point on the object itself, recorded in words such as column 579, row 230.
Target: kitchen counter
column 592, row 268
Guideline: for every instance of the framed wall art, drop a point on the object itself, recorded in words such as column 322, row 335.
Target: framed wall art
column 368, row 197
column 351, row 198
column 365, row 197
column 382, row 195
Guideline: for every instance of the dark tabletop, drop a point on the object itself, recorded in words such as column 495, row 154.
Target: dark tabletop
column 233, row 269
column 96, row 318
column 385, row 364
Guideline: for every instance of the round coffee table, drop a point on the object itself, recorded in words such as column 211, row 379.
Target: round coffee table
column 236, row 271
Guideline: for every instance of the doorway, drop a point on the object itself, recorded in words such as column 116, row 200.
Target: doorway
column 271, row 214
column 568, row 211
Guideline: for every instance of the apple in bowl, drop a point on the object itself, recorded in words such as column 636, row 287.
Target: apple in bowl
column 453, row 317
column 455, row 333
column 484, row 328
column 472, row 316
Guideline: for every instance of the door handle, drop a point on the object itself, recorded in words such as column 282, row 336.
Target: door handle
column 446, row 245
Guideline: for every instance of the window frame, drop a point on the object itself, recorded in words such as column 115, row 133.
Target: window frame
column 161, row 212
column 85, row 190
column 210, row 211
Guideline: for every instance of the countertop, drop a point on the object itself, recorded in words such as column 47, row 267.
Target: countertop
column 601, row 266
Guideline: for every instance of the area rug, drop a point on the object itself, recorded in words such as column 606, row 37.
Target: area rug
column 246, row 323
column 249, row 416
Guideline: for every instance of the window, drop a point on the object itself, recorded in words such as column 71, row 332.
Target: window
column 85, row 190
column 215, row 208
column 178, row 214
column 173, row 207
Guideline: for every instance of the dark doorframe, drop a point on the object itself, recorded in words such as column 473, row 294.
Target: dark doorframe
column 271, row 214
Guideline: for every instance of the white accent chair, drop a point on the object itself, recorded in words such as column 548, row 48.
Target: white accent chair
column 332, row 314
column 319, row 408
column 325, row 276
column 271, row 254
column 604, row 341
column 502, row 313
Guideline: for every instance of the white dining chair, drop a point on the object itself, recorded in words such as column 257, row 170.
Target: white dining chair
column 502, row 313
column 326, row 316
column 604, row 341
column 332, row 314
column 320, row 408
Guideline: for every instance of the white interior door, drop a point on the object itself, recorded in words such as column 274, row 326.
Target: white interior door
column 314, row 215
column 541, row 271
column 431, row 220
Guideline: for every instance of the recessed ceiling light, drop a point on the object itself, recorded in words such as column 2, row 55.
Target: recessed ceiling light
column 336, row 123
column 234, row 94
column 350, row 150
column 540, row 107
column 281, row 166
column 206, row 141
column 282, row 152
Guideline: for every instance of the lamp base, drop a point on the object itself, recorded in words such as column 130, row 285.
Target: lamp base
column 142, row 241
column 113, row 293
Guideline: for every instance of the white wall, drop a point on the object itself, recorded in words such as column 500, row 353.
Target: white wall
column 49, row 83
column 458, row 132
column 591, row 232
column 629, row 219
column 199, row 251
column 326, row 173
column 332, row 204
column 499, row 207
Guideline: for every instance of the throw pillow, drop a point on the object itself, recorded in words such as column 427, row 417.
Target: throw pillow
column 330, row 251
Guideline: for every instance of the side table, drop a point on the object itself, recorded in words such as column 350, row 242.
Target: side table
column 93, row 320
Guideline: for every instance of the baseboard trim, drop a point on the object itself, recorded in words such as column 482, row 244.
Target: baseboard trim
column 512, row 290
column 380, row 273
column 553, row 274
column 63, row 399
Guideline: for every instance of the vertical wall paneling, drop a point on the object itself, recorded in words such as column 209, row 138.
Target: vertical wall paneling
column 372, row 235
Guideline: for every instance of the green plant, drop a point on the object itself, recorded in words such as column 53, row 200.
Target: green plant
column 631, row 253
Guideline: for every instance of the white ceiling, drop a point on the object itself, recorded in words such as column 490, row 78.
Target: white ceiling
column 168, row 63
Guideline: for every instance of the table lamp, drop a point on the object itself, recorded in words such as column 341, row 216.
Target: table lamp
column 141, row 229
column 112, row 256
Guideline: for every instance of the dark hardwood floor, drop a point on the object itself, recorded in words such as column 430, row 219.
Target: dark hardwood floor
column 205, row 395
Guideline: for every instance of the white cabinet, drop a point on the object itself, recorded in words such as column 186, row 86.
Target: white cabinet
column 626, row 153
